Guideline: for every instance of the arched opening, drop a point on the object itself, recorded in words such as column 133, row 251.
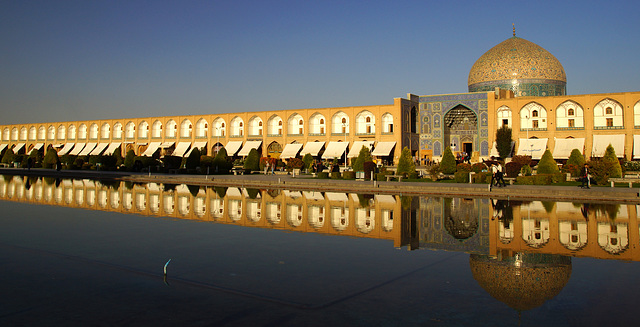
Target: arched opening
column 461, row 129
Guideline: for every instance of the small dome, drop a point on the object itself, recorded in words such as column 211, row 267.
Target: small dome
column 521, row 66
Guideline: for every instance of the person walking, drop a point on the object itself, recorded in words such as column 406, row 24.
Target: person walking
column 586, row 183
column 494, row 175
column 266, row 166
column 500, row 176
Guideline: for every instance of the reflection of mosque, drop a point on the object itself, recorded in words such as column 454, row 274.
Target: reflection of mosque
column 520, row 252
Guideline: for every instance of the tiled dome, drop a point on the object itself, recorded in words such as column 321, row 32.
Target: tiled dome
column 519, row 65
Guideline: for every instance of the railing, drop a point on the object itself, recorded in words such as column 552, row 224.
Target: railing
column 608, row 127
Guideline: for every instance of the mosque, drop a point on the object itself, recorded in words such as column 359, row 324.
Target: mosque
column 516, row 83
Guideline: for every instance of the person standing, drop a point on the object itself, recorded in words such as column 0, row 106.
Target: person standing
column 266, row 166
column 586, row 183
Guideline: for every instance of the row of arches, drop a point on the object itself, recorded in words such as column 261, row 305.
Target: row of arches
column 317, row 124
column 607, row 114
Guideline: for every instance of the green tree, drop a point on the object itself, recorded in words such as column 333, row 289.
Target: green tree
column 363, row 156
column 576, row 158
column 406, row 164
column 448, row 163
column 193, row 160
column 117, row 154
column 221, row 162
column 129, row 159
column 50, row 159
column 252, row 163
column 308, row 160
column 611, row 160
column 8, row 156
column 547, row 164
column 503, row 141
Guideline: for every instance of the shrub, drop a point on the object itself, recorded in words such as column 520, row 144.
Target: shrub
column 308, row 161
column 8, row 156
column 522, row 160
column 547, row 165
column 612, row 161
column 632, row 165
column 524, row 180
column 576, row 158
column 600, row 170
column 50, row 159
column 381, row 177
column 323, row 175
column 129, row 160
column 448, row 164
column 434, row 171
column 294, row 163
column 193, row 160
column 463, row 167
column 363, row 156
column 482, row 178
column 206, row 161
column 369, row 167
column 479, row 167
column 526, row 170
column 335, row 175
column 252, row 163
column 108, row 162
column 221, row 162
column 77, row 163
column 512, row 169
column 349, row 175
column 571, row 169
column 461, row 177
column 406, row 164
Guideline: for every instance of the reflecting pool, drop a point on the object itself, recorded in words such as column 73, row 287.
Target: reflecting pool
column 82, row 252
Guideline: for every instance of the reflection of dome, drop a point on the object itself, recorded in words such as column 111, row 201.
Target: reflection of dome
column 523, row 282
column 461, row 218
column 521, row 66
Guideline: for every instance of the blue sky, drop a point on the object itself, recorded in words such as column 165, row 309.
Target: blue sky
column 81, row 60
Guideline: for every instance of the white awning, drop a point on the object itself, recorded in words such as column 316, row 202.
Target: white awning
column 532, row 147
column 384, row 198
column 312, row 148
column 77, row 149
column 18, row 147
column 494, row 150
column 383, row 148
column 165, row 145
column 313, row 195
column 601, row 142
column 290, row 150
column 636, row 147
column 338, row 197
column 232, row 147
column 2, row 146
column 196, row 145
column 335, row 150
column 563, row 147
column 292, row 194
column 181, row 149
column 357, row 146
column 234, row 192
column 248, row 146
column 38, row 146
column 151, row 149
column 98, row 149
column 111, row 149
column 67, row 147
column 87, row 149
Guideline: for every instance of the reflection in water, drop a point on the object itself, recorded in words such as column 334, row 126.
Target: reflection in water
column 520, row 251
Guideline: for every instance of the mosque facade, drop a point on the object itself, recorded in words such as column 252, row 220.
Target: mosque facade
column 516, row 83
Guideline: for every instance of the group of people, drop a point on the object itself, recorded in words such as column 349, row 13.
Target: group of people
column 497, row 175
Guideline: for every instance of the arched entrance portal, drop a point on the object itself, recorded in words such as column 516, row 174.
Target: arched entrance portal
column 461, row 129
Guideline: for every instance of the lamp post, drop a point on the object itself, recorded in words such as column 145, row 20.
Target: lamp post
column 344, row 125
column 218, row 140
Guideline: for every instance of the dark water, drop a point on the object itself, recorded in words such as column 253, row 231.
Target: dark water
column 418, row 261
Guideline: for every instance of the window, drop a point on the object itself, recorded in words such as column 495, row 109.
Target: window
column 505, row 122
column 572, row 123
column 571, row 112
column 535, row 124
column 609, row 111
column 534, row 113
column 609, row 122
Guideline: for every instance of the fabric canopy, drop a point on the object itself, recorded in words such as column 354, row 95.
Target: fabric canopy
column 636, row 147
column 165, row 145
column 38, row 146
column 77, row 149
column 2, row 146
column 312, row 148
column 383, row 148
column 18, row 147
column 111, row 149
column 563, row 147
column 87, row 149
column 67, row 147
column 357, row 146
column 232, row 147
column 248, row 146
column 601, row 142
column 532, row 147
column 338, row 197
column 197, row 145
column 335, row 150
column 98, row 149
column 384, row 198
column 181, row 149
column 151, row 149
column 494, row 150
column 290, row 150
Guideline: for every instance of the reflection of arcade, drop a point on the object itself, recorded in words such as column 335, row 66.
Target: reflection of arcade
column 351, row 214
column 604, row 231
